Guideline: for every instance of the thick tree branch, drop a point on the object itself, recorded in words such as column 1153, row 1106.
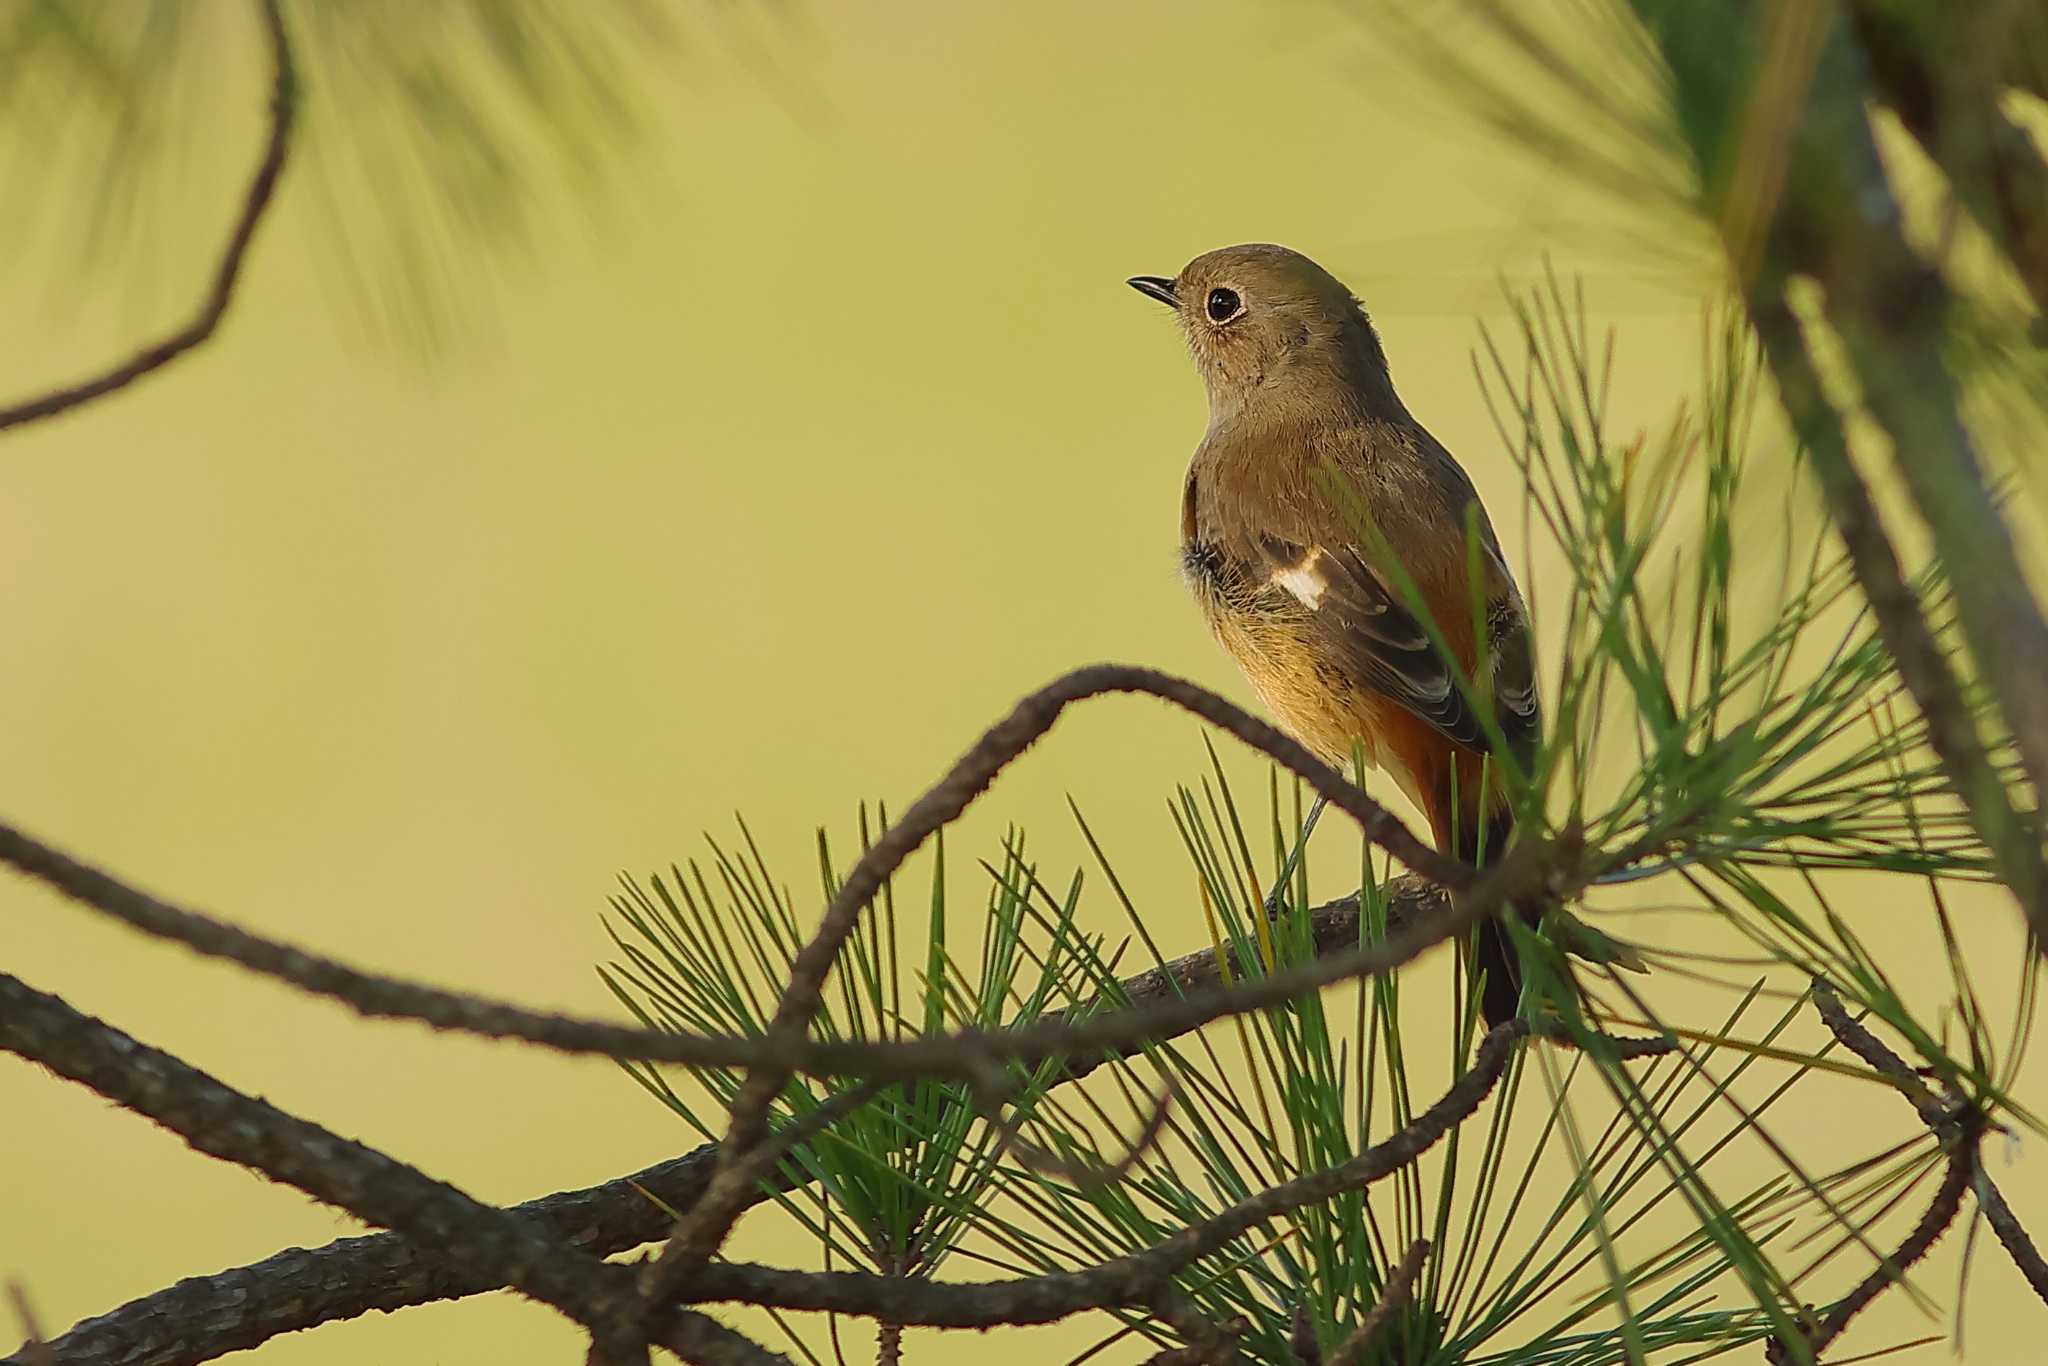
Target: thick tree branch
column 1938, row 70
column 221, row 1122
column 1839, row 224
column 1923, row 664
column 256, row 202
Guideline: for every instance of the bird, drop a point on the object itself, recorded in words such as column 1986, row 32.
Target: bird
column 1316, row 514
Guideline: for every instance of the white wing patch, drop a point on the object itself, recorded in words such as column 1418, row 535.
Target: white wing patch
column 1302, row 580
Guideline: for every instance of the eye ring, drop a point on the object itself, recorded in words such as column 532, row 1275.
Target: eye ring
column 1223, row 304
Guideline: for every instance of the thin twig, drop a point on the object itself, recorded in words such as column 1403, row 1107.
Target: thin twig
column 734, row 1188
column 33, row 1348
column 256, row 202
column 1127, row 1279
column 1858, row 1039
column 940, row 806
column 1941, row 1212
column 1946, row 1121
column 1092, row 1175
column 965, row 1053
column 1393, row 1299
column 784, row 1049
column 2019, row 1245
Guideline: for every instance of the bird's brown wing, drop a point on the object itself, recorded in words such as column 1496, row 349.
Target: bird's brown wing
column 1367, row 628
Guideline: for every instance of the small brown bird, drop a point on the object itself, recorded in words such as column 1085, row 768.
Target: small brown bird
column 1312, row 483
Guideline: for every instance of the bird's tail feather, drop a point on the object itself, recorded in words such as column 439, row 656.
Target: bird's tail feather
column 1501, row 993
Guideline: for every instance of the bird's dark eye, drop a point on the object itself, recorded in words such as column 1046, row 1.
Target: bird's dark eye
column 1224, row 305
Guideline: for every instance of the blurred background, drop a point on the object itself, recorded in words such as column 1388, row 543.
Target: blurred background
column 741, row 438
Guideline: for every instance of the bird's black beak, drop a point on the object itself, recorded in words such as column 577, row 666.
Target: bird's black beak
column 1156, row 286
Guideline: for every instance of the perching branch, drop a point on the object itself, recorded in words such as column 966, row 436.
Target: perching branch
column 256, row 202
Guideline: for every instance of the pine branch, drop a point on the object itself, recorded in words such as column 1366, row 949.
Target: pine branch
column 207, row 1316
column 700, row 1338
column 223, row 1123
column 1922, row 662
column 1393, row 1299
column 1837, row 222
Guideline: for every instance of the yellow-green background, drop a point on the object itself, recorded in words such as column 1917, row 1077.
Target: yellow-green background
column 834, row 433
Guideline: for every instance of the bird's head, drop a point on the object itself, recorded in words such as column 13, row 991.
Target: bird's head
column 1267, row 326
